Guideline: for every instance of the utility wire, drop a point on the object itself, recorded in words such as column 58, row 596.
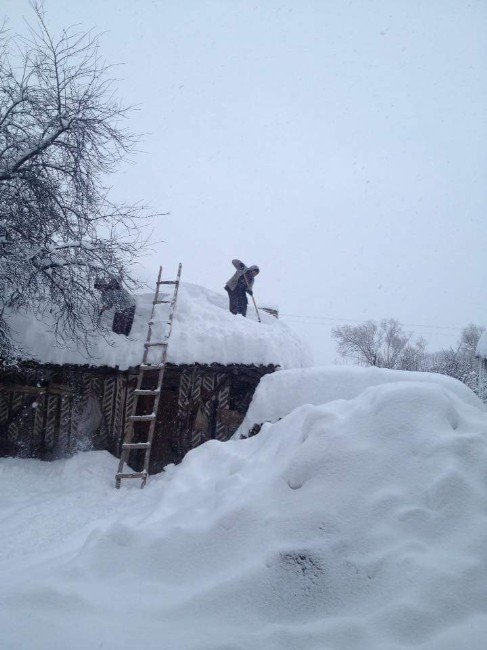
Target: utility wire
column 319, row 319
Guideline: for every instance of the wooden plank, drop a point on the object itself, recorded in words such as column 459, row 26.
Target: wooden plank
column 193, row 435
column 130, row 403
column 4, row 408
column 206, row 411
column 15, row 408
column 119, row 409
column 120, row 475
column 148, row 417
column 135, row 445
column 16, row 388
column 207, row 386
column 38, row 424
column 107, row 406
column 165, row 447
column 51, row 424
column 96, row 386
column 184, row 395
column 65, row 408
column 222, row 429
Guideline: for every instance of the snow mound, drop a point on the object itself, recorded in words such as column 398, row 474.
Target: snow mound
column 355, row 525
column 280, row 393
column 204, row 331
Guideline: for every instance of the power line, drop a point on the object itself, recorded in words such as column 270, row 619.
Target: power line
column 319, row 319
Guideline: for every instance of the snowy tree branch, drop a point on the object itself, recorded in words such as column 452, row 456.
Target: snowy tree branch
column 60, row 135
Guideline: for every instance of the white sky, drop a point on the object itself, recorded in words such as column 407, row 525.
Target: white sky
column 341, row 146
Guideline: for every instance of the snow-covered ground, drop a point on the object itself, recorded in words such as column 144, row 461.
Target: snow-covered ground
column 357, row 524
column 204, row 331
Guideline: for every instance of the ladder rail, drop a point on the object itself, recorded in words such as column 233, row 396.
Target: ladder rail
column 151, row 418
column 153, row 310
column 173, row 304
column 170, row 316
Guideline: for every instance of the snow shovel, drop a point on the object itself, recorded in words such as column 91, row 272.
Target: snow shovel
column 253, row 299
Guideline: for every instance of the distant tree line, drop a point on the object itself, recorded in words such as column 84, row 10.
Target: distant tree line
column 386, row 344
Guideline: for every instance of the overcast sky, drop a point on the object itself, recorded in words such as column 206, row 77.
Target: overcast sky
column 340, row 145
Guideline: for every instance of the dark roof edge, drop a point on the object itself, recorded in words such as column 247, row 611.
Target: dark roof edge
column 132, row 369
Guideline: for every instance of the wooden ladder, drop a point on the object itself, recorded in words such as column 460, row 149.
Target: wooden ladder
column 155, row 392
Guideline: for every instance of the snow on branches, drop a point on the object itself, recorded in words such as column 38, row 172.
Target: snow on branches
column 60, row 135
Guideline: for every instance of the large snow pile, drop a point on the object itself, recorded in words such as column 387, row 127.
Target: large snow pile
column 356, row 525
column 204, row 331
column 280, row 393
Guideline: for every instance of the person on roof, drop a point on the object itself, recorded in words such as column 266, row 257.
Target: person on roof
column 240, row 284
column 114, row 295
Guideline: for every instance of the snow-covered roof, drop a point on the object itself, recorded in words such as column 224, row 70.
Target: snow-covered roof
column 204, row 331
column 482, row 346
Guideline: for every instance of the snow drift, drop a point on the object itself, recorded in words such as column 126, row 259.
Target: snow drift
column 280, row 393
column 360, row 524
column 204, row 331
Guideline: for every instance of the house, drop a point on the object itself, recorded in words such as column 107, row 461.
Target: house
column 60, row 399
column 481, row 354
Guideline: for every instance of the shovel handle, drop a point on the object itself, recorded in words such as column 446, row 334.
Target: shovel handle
column 253, row 299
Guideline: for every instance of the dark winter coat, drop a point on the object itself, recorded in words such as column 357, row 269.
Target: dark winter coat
column 238, row 278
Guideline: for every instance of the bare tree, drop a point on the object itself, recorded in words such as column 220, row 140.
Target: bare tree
column 61, row 133
column 386, row 345
column 413, row 356
column 459, row 362
column 469, row 338
column 383, row 344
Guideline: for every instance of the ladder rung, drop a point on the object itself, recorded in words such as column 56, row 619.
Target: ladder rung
column 136, row 445
column 143, row 418
column 162, row 302
column 148, row 366
column 152, row 344
column 143, row 391
column 120, row 475
column 167, row 282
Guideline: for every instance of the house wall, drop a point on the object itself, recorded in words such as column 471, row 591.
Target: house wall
column 198, row 403
column 51, row 412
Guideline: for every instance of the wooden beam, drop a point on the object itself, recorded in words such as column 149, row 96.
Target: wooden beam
column 52, row 389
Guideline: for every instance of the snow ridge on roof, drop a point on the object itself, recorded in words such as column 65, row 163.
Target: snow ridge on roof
column 204, row 332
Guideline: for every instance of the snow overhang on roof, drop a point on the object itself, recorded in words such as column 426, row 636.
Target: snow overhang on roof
column 204, row 332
